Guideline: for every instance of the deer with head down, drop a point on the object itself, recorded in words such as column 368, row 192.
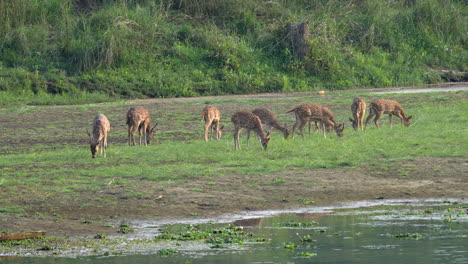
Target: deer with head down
column 270, row 121
column 313, row 112
column 212, row 118
column 98, row 140
column 382, row 106
column 249, row 121
column 138, row 118
column 358, row 109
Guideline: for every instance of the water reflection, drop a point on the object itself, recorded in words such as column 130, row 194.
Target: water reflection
column 426, row 232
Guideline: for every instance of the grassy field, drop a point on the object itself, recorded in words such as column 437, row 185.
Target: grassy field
column 438, row 130
column 48, row 180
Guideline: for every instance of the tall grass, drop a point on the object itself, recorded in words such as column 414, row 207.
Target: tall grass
column 187, row 48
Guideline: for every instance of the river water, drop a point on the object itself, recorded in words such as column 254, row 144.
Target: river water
column 399, row 231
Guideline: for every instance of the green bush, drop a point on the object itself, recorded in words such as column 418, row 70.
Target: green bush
column 188, row 48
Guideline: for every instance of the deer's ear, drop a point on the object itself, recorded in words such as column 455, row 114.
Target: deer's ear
column 410, row 117
column 222, row 127
column 154, row 128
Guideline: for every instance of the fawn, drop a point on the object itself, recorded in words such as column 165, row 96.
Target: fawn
column 249, row 121
column 212, row 118
column 270, row 121
column 358, row 109
column 313, row 112
column 138, row 118
column 383, row 106
column 98, row 140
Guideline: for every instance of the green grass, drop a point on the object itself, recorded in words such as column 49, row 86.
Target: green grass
column 439, row 130
column 58, row 52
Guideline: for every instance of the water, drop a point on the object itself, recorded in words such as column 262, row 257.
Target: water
column 349, row 235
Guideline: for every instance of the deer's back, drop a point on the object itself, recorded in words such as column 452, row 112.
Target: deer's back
column 386, row 106
column 136, row 115
column 246, row 120
column 358, row 105
column 265, row 115
column 101, row 126
column 211, row 113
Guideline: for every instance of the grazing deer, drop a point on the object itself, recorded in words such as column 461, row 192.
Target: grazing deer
column 212, row 118
column 270, row 121
column 317, row 113
column 249, row 121
column 98, row 140
column 138, row 118
column 383, row 106
column 358, row 109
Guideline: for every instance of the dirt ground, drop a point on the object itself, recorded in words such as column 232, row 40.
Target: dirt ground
column 423, row 177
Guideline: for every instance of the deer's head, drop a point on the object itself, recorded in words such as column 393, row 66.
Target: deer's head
column 219, row 133
column 354, row 122
column 150, row 133
column 339, row 129
column 407, row 121
column 93, row 146
column 264, row 141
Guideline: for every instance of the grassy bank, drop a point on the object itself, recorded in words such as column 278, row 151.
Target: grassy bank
column 438, row 131
column 57, row 51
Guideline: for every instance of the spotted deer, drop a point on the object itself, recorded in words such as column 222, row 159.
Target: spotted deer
column 312, row 112
column 358, row 110
column 270, row 121
column 98, row 140
column 212, row 118
column 249, row 121
column 382, row 106
column 138, row 118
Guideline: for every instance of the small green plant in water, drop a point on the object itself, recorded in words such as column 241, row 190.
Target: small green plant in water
column 290, row 245
column 167, row 252
column 298, row 224
column 125, row 229
column 308, row 254
column 408, row 236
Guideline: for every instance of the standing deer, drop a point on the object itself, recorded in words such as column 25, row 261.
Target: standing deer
column 383, row 106
column 249, row 121
column 270, row 121
column 98, row 140
column 212, row 118
column 313, row 112
column 358, row 109
column 138, row 118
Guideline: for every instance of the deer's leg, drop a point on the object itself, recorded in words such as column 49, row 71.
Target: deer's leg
column 130, row 136
column 361, row 121
column 301, row 127
column 390, row 119
column 376, row 119
column 371, row 114
column 207, row 125
column 104, row 147
column 236, row 138
column 217, row 130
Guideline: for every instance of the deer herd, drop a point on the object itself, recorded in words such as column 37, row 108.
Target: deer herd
column 260, row 120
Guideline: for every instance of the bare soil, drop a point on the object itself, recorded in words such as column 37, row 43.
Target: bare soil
column 39, row 128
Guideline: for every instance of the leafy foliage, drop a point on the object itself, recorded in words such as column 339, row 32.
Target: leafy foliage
column 188, row 48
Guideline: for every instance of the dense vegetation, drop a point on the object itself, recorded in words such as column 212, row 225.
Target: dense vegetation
column 99, row 49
